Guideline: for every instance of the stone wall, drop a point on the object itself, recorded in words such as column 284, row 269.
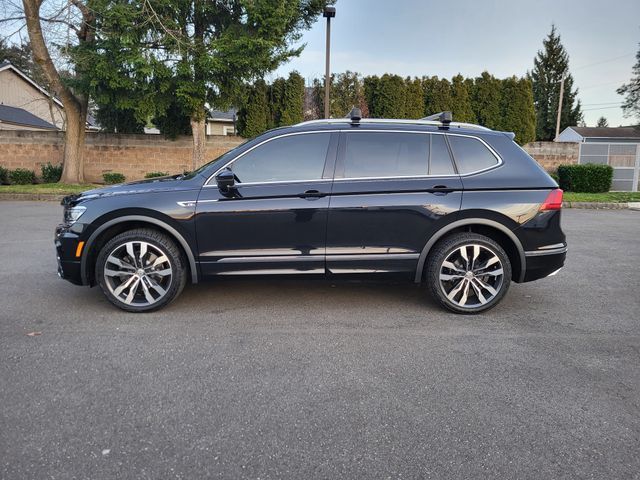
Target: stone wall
column 136, row 155
column 131, row 155
column 553, row 154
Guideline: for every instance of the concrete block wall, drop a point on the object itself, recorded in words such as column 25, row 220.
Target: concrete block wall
column 131, row 155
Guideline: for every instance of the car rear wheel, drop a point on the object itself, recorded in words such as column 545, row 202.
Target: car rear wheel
column 468, row 273
column 141, row 270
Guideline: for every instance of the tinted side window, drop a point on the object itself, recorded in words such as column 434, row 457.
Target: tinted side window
column 385, row 154
column 471, row 154
column 296, row 157
column 440, row 159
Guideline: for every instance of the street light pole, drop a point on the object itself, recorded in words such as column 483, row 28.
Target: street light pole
column 329, row 13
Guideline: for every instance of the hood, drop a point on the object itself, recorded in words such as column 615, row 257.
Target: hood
column 151, row 185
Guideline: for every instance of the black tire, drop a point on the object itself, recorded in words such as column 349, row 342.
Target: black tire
column 446, row 250
column 155, row 280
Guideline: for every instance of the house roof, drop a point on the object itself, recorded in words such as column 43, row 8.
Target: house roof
column 222, row 116
column 19, row 116
column 607, row 132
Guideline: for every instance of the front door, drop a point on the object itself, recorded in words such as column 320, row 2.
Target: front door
column 389, row 191
column 274, row 219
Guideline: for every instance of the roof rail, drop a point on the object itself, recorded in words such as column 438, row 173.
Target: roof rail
column 433, row 123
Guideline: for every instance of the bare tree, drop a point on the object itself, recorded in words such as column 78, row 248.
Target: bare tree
column 82, row 24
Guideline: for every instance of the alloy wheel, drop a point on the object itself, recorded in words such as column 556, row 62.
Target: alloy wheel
column 471, row 276
column 138, row 273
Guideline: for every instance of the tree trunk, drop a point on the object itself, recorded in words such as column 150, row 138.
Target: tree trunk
column 75, row 106
column 73, row 166
column 199, row 141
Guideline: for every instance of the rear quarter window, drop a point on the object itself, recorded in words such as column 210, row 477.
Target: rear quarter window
column 470, row 154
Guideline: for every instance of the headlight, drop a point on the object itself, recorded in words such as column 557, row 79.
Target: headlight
column 71, row 215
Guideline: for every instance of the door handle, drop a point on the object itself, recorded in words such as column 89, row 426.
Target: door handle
column 441, row 189
column 312, row 194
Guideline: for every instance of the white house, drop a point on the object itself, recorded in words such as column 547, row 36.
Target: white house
column 615, row 146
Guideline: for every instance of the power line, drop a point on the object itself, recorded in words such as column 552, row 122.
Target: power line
column 604, row 103
column 600, row 108
column 603, row 61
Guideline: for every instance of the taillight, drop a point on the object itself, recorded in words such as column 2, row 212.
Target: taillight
column 553, row 200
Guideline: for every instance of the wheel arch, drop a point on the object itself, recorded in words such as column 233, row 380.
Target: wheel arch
column 490, row 228
column 97, row 237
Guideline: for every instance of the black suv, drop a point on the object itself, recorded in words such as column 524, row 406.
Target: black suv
column 459, row 207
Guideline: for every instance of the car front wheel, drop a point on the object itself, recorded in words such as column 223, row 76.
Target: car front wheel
column 468, row 273
column 141, row 270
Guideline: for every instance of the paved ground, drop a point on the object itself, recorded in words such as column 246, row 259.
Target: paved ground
column 302, row 379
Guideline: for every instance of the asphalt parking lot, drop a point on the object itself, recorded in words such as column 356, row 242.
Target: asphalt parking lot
column 308, row 379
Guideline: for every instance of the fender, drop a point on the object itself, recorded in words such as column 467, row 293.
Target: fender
column 138, row 218
column 470, row 221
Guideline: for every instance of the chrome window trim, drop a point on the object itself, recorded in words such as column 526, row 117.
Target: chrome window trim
column 207, row 184
column 499, row 163
column 411, row 177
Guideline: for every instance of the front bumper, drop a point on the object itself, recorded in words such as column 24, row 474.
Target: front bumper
column 66, row 242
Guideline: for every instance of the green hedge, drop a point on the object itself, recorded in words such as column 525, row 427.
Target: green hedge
column 156, row 174
column 51, row 173
column 112, row 178
column 4, row 176
column 586, row 178
column 22, row 176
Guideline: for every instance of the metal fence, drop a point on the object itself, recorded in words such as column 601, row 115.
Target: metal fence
column 623, row 157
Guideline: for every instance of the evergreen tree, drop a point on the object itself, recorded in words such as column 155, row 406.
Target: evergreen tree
column 347, row 91
column 437, row 95
column 276, row 102
column 631, row 90
column 602, row 122
column 21, row 57
column 461, row 100
column 173, row 121
column 414, row 101
column 253, row 117
column 386, row 96
column 115, row 120
column 211, row 47
column 486, row 98
column 371, row 84
column 517, row 112
column 550, row 65
column 292, row 100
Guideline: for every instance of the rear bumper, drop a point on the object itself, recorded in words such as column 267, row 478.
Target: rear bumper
column 66, row 243
column 541, row 263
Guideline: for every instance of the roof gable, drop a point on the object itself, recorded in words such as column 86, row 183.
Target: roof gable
column 8, row 66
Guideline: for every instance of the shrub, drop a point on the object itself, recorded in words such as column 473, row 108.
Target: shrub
column 156, row 174
column 111, row 178
column 555, row 176
column 4, row 176
column 587, row 178
column 51, row 173
column 22, row 176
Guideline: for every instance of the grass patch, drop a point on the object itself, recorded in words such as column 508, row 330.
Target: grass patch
column 52, row 188
column 609, row 197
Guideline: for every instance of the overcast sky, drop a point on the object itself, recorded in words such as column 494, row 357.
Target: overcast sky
column 427, row 37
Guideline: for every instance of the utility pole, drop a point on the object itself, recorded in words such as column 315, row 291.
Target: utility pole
column 560, row 107
column 329, row 13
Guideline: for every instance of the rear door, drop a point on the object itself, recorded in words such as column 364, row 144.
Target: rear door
column 390, row 189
